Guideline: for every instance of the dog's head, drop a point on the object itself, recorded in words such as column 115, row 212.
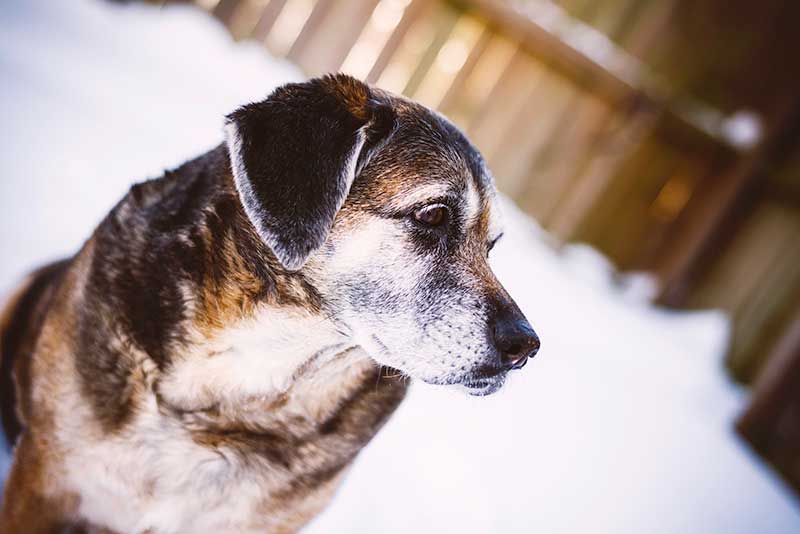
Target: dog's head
column 391, row 213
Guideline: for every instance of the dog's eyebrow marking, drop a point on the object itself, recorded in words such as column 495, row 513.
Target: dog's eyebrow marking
column 474, row 203
column 417, row 195
column 493, row 213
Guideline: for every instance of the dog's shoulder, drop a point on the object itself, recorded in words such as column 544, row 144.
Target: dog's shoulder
column 144, row 268
column 21, row 320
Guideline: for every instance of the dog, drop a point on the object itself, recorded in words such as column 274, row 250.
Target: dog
column 237, row 330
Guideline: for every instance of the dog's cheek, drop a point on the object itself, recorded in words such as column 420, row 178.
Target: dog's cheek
column 453, row 319
column 416, row 312
column 370, row 259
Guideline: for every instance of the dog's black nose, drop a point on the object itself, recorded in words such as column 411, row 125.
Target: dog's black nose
column 515, row 341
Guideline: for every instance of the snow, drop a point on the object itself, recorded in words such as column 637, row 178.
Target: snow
column 622, row 424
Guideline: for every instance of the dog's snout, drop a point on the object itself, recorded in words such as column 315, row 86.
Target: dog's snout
column 515, row 340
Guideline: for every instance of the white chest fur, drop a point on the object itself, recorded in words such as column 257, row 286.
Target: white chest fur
column 154, row 477
column 160, row 483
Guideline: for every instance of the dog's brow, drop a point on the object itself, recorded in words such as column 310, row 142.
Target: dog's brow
column 474, row 203
column 420, row 194
column 492, row 206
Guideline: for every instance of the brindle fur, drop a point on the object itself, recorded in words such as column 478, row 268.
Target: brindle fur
column 97, row 344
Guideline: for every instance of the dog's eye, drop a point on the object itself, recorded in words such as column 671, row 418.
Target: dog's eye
column 434, row 215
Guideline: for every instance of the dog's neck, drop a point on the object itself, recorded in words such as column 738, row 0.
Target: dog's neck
column 259, row 358
column 253, row 332
column 283, row 380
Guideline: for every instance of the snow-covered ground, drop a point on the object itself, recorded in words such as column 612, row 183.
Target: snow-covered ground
column 621, row 425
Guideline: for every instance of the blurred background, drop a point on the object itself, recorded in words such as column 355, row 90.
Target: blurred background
column 663, row 134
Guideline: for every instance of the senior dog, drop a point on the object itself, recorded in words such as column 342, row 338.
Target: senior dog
column 234, row 332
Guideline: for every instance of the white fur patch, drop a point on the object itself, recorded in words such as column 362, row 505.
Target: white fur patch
column 495, row 216
column 153, row 477
column 473, row 208
column 417, row 195
column 255, row 357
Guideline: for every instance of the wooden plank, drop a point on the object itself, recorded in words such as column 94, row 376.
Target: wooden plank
column 506, row 99
column 770, row 423
column 318, row 14
column 760, row 317
column 649, row 28
column 669, row 203
column 584, row 123
column 410, row 16
column 225, row 9
column 709, row 224
column 612, row 15
column 329, row 35
column 374, row 37
column 620, row 77
column 473, row 96
column 449, row 60
column 599, row 171
column 245, row 17
column 288, row 25
column 443, row 23
column 267, row 19
column 525, row 136
column 743, row 265
column 770, row 389
column 448, row 102
column 622, row 223
column 417, row 50
column 551, row 49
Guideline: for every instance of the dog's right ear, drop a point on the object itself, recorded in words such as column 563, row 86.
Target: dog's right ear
column 295, row 155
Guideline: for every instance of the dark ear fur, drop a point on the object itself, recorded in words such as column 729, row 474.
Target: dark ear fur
column 295, row 155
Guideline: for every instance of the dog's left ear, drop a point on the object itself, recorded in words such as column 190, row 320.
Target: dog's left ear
column 295, row 155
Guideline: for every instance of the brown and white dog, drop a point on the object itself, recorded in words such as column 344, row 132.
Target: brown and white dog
column 235, row 332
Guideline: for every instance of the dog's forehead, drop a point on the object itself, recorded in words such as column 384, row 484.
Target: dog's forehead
column 427, row 159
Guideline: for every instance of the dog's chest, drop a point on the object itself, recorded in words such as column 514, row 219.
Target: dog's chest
column 165, row 482
column 259, row 466
column 162, row 482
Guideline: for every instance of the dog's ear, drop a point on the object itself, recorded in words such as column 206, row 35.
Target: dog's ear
column 295, row 155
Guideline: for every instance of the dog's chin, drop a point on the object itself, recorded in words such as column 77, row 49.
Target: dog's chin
column 479, row 383
column 481, row 387
column 476, row 386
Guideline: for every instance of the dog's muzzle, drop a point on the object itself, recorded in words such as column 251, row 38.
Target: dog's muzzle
column 513, row 337
column 515, row 342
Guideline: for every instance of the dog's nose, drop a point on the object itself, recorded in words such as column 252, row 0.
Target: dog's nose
column 515, row 341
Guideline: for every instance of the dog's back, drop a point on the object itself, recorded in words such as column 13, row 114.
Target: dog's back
column 20, row 321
